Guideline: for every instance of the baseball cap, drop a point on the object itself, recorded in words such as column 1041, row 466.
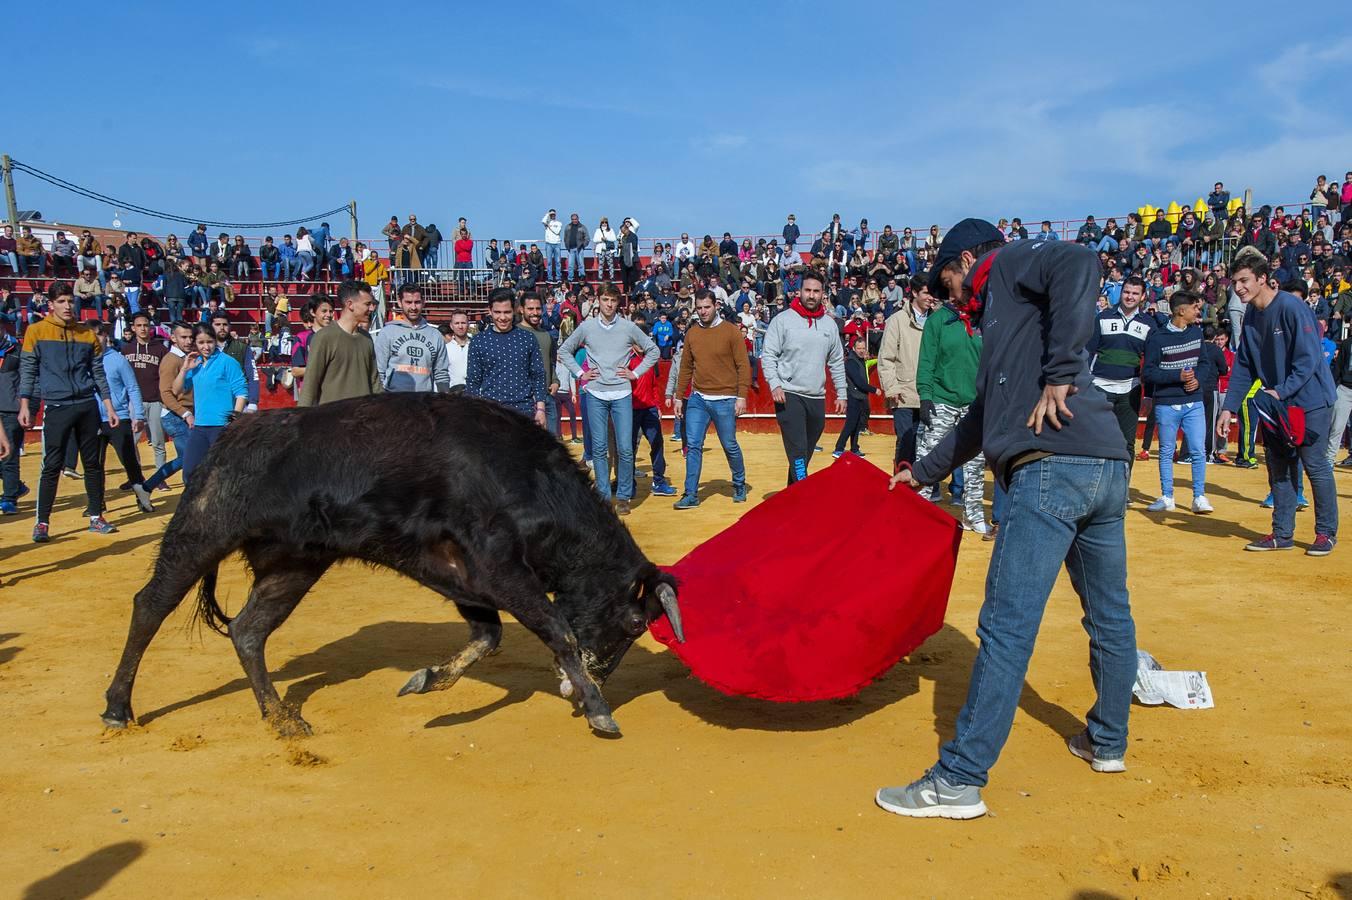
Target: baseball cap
column 964, row 235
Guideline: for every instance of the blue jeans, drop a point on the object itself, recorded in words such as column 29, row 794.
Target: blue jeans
column 96, row 302
column 272, row 271
column 305, row 263
column 553, row 256
column 600, row 415
column 176, row 430
column 11, row 259
column 1191, row 418
column 1106, row 245
column 698, row 414
column 1284, row 476
column 196, row 444
column 199, row 293
column 577, row 264
column 133, row 296
column 648, row 424
column 1060, row 508
column 429, row 260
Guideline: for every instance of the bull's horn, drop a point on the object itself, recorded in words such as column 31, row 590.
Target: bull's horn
column 667, row 597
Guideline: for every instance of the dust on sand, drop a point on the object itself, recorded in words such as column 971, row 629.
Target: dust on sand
column 494, row 786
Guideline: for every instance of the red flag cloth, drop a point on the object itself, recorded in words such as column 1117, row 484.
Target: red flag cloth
column 774, row 607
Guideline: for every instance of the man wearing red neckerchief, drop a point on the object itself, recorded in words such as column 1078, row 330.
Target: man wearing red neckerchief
column 1064, row 465
column 800, row 345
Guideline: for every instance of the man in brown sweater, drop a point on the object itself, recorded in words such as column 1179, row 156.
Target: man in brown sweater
column 341, row 359
column 714, row 361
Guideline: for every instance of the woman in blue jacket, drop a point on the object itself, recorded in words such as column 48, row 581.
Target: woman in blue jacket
column 219, row 394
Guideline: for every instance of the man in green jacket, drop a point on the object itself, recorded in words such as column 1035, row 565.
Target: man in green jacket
column 946, row 381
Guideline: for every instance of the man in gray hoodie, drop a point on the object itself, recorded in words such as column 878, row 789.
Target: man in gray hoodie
column 410, row 352
column 608, row 381
column 800, row 345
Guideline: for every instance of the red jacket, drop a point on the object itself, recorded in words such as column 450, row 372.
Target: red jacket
column 647, row 390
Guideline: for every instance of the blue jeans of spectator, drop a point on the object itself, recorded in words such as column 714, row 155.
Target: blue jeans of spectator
column 912, row 263
column 648, row 424
column 1191, row 419
column 133, row 299
column 272, row 271
column 305, row 263
column 600, row 415
column 1106, row 245
column 198, row 442
column 553, row 257
column 177, row 431
column 577, row 264
column 1284, row 477
column 552, row 414
column 429, row 260
column 462, row 276
column 96, row 302
column 1060, row 509
column 904, row 422
column 290, row 268
column 9, row 466
column 35, row 265
column 175, row 306
column 698, row 414
column 11, row 259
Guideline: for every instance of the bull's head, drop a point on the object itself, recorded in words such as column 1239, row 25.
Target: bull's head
column 607, row 626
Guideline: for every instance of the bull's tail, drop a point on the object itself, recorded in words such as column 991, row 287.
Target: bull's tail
column 208, row 609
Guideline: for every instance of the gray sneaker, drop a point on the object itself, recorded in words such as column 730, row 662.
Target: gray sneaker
column 932, row 797
column 1080, row 746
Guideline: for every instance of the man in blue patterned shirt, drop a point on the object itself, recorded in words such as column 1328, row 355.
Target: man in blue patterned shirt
column 504, row 361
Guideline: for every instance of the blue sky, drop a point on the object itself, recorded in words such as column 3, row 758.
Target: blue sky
column 688, row 116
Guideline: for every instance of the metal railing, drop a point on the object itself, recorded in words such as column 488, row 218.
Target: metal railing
column 445, row 291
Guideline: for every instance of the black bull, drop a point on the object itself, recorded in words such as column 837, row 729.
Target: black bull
column 472, row 500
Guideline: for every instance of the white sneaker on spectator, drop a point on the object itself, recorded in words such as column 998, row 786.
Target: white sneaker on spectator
column 1200, row 504
column 979, row 527
column 1163, row 504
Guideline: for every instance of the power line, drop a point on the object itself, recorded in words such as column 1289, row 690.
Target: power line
column 170, row 217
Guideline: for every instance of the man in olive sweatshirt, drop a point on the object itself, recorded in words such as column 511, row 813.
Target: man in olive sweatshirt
column 714, row 361
column 341, row 360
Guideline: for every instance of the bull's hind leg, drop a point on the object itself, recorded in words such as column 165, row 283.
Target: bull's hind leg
column 175, row 574
column 485, row 633
column 278, row 586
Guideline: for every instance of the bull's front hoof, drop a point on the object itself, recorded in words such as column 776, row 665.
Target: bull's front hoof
column 603, row 724
column 423, row 680
column 113, row 717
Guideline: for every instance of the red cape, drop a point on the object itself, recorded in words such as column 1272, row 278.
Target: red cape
column 817, row 591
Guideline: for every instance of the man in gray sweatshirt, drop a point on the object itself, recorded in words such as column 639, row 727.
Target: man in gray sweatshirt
column 800, row 345
column 410, row 352
column 608, row 382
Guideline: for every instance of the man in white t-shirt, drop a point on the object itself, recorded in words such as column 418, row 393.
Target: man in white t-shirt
column 456, row 335
column 553, row 244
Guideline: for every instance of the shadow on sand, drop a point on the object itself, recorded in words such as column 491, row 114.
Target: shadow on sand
column 86, row 877
column 523, row 666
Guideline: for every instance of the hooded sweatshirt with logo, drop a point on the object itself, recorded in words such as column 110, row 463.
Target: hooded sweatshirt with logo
column 412, row 357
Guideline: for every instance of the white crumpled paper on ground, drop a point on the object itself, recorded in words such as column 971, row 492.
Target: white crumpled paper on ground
column 1154, row 686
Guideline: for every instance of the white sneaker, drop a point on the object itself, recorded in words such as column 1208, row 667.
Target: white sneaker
column 1163, row 504
column 980, row 527
column 1200, row 504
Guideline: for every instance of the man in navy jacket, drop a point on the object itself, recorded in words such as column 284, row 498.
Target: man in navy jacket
column 1281, row 348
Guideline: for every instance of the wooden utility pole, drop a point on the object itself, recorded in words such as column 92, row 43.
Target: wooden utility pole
column 11, row 204
column 352, row 212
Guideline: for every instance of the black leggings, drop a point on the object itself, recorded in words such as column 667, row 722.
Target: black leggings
column 123, row 443
column 801, row 421
column 78, row 422
column 856, row 417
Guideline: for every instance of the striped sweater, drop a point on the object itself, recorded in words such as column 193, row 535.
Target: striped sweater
column 1168, row 352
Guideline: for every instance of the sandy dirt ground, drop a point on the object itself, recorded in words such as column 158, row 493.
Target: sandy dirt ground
column 495, row 789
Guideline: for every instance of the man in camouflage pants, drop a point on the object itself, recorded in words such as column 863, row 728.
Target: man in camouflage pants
column 946, row 382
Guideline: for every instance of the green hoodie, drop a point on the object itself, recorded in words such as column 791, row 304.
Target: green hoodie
column 948, row 359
